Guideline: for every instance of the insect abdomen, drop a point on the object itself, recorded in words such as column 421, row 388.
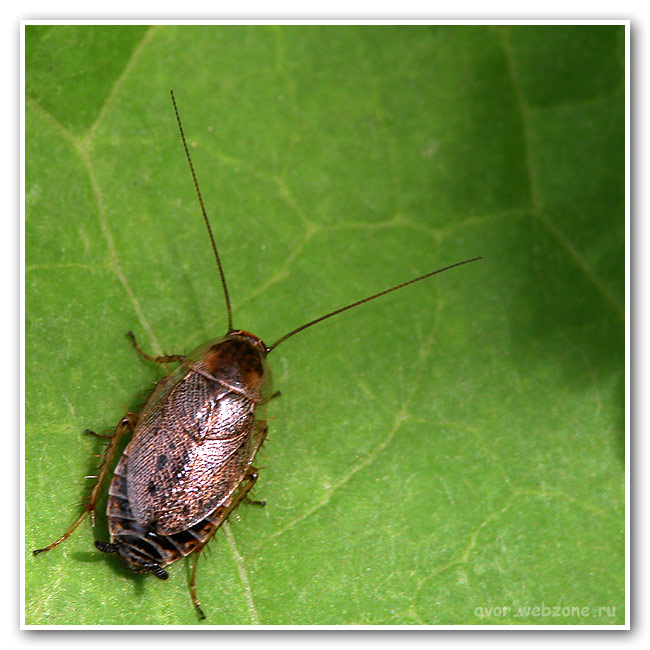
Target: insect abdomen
column 138, row 546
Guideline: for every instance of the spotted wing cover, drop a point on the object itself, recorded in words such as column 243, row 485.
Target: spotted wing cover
column 189, row 453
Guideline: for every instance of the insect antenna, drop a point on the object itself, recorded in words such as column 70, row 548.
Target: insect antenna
column 360, row 302
column 205, row 216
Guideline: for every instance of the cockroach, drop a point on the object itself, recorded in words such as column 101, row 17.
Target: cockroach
column 189, row 462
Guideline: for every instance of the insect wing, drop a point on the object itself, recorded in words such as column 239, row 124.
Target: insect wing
column 190, row 453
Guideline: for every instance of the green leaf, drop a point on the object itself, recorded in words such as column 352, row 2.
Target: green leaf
column 449, row 449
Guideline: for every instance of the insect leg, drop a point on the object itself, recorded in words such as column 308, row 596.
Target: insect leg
column 127, row 422
column 167, row 358
column 193, row 596
column 107, row 436
column 261, row 428
column 245, row 487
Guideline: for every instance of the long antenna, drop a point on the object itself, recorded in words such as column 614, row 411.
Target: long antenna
column 205, row 216
column 360, row 302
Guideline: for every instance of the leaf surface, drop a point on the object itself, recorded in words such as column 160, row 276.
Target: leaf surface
column 444, row 451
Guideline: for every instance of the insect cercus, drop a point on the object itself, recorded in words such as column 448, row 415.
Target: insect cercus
column 189, row 463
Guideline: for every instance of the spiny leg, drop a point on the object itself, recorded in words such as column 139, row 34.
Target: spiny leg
column 262, row 427
column 128, row 421
column 167, row 358
column 104, row 436
column 193, row 596
column 248, row 483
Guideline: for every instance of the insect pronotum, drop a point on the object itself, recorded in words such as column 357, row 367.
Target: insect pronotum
column 189, row 463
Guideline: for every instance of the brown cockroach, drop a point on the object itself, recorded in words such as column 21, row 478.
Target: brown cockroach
column 189, row 463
